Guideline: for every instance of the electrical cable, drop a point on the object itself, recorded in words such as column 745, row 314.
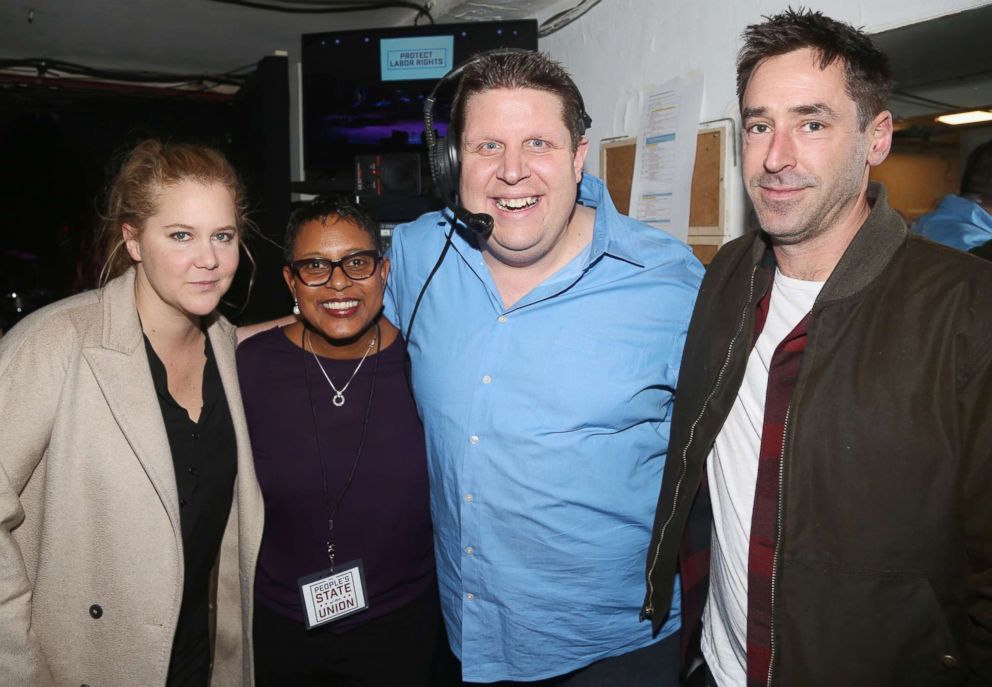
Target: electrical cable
column 332, row 7
column 231, row 72
column 564, row 18
column 912, row 97
column 423, row 289
column 920, row 100
column 44, row 66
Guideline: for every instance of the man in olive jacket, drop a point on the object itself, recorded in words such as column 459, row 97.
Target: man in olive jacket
column 828, row 493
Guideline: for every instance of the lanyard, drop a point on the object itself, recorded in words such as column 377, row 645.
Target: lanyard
column 332, row 511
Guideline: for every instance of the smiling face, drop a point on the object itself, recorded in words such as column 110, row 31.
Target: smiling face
column 806, row 161
column 187, row 252
column 517, row 165
column 343, row 310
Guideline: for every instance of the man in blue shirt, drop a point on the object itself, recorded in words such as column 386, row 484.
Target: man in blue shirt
column 964, row 222
column 544, row 361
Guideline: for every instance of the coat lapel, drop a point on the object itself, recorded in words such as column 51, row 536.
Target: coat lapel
column 120, row 367
column 250, row 509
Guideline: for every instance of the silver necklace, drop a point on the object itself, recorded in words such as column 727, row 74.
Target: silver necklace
column 338, row 399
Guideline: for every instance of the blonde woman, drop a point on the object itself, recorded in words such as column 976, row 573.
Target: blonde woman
column 127, row 487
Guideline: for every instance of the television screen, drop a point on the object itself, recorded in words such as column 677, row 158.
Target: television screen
column 363, row 93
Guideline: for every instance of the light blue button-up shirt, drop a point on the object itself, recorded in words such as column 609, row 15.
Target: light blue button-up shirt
column 547, row 425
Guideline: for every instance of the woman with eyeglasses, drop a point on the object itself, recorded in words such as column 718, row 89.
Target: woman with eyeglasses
column 345, row 590
column 130, row 517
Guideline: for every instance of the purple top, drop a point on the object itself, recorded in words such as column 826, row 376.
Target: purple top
column 383, row 519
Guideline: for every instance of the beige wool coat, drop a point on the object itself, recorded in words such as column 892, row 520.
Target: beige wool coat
column 91, row 555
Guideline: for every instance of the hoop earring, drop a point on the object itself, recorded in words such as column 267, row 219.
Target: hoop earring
column 108, row 271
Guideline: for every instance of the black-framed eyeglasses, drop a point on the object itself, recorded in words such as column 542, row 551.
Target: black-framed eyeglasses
column 318, row 271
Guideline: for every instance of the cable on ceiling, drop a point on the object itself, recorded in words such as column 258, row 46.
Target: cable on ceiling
column 912, row 97
column 327, row 7
column 50, row 67
column 564, row 18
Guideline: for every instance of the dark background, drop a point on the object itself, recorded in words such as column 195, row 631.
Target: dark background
column 60, row 146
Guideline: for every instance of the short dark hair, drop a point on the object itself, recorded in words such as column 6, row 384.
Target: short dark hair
column 322, row 207
column 977, row 177
column 866, row 68
column 520, row 69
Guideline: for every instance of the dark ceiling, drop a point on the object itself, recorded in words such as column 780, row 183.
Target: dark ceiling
column 946, row 61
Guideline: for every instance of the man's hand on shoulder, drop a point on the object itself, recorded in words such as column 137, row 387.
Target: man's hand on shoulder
column 250, row 330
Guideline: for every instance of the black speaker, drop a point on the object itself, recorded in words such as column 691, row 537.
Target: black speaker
column 263, row 144
column 388, row 174
column 261, row 154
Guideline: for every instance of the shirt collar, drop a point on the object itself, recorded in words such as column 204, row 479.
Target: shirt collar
column 606, row 236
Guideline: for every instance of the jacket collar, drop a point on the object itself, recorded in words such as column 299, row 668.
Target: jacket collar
column 122, row 326
column 120, row 367
column 871, row 249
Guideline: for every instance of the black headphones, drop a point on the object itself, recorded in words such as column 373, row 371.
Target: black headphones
column 443, row 155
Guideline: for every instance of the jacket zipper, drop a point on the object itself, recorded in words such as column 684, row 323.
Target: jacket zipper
column 648, row 611
column 778, row 543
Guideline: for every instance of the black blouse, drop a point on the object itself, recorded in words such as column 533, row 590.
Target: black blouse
column 205, row 455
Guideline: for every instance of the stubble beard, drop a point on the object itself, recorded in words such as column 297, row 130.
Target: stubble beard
column 791, row 222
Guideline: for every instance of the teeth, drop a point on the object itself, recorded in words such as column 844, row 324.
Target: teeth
column 516, row 203
column 340, row 305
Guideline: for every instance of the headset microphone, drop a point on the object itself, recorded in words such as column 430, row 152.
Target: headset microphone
column 442, row 155
column 479, row 222
column 443, row 158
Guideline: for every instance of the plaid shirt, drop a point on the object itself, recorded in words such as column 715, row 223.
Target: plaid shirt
column 694, row 557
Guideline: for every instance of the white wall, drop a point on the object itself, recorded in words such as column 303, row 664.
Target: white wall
column 621, row 45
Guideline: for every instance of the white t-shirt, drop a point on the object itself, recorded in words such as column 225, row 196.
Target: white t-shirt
column 732, row 471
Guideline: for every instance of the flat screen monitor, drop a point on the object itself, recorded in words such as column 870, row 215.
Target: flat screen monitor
column 363, row 91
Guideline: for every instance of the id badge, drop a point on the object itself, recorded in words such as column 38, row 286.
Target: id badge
column 331, row 596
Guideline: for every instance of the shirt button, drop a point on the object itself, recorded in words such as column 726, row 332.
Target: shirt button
column 470, row 596
column 501, row 319
column 469, row 497
column 948, row 661
column 487, row 379
column 469, row 550
column 473, row 439
column 96, row 611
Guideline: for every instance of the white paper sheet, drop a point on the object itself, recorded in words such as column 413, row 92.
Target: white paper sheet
column 666, row 151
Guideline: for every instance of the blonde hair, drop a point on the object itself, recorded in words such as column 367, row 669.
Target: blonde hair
column 146, row 170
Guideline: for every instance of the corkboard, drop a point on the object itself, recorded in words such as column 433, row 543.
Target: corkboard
column 704, row 252
column 706, row 202
column 616, row 163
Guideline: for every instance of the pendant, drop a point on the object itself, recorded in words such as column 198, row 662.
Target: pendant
column 338, row 400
